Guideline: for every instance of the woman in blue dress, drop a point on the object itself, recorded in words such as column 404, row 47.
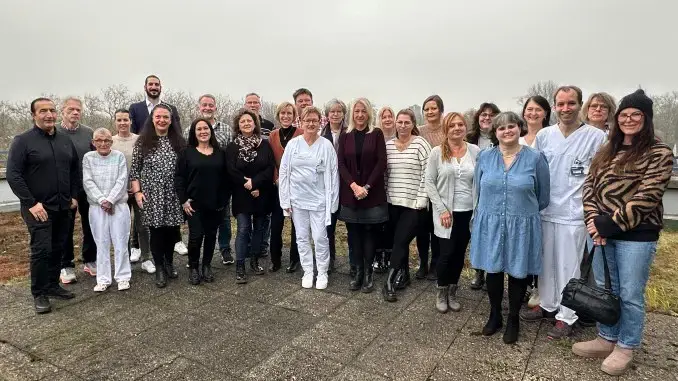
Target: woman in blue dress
column 512, row 186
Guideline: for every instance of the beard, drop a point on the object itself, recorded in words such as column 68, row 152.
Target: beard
column 151, row 96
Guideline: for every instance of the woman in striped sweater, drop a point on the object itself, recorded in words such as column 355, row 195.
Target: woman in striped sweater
column 406, row 158
column 623, row 211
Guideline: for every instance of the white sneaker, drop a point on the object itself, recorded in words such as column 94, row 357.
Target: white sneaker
column 134, row 255
column 180, row 248
column 534, row 298
column 123, row 285
column 148, row 266
column 90, row 268
column 100, row 287
column 321, row 281
column 307, row 280
column 68, row 275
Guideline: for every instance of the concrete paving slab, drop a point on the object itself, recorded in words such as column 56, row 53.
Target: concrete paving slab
column 182, row 369
column 291, row 363
column 313, row 302
column 336, row 341
column 354, row 374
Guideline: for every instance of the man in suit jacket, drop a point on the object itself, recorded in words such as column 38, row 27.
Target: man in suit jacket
column 140, row 111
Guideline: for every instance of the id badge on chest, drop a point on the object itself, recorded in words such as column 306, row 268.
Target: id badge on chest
column 577, row 168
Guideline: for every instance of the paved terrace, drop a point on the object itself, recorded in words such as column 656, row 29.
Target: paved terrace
column 272, row 329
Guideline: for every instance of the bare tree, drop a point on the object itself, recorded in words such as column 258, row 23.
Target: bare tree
column 115, row 97
column 544, row 88
column 468, row 115
column 418, row 114
column 666, row 117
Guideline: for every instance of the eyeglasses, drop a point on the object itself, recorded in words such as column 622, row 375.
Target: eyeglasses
column 598, row 106
column 487, row 115
column 103, row 141
column 311, row 121
column 635, row 116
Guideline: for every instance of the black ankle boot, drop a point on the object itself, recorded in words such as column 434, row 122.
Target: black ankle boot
column 403, row 279
column 240, row 276
column 368, row 284
column 494, row 323
column 194, row 276
column 379, row 262
column 357, row 281
column 171, row 272
column 160, row 277
column 254, row 266
column 352, row 271
column 478, row 280
column 389, row 290
column 512, row 329
column 207, row 274
column 422, row 271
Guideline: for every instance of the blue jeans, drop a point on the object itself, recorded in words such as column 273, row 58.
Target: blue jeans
column 225, row 231
column 249, row 235
column 629, row 264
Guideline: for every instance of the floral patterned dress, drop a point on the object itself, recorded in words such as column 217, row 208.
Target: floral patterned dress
column 155, row 172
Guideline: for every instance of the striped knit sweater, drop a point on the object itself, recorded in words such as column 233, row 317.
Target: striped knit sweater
column 628, row 205
column 405, row 172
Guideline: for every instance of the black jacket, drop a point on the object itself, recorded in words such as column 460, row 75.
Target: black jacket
column 43, row 168
column 260, row 171
column 138, row 112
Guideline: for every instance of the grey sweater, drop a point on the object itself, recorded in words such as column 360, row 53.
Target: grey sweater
column 81, row 138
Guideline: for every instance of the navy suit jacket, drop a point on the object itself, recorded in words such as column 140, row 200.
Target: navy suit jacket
column 138, row 112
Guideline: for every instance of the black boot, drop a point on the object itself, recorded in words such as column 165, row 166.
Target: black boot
column 357, row 281
column 293, row 267
column 478, row 280
column 403, row 279
column 368, row 284
column 389, row 290
column 207, row 274
column 171, row 272
column 240, row 276
column 516, row 291
column 42, row 305
column 422, row 271
column 495, row 292
column 160, row 276
column 254, row 266
column 380, row 262
column 352, row 271
column 194, row 276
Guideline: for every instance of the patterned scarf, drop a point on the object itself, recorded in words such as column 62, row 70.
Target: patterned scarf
column 248, row 147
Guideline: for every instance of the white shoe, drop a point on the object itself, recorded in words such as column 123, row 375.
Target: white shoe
column 90, row 268
column 68, row 275
column 123, row 285
column 307, row 280
column 180, row 248
column 321, row 281
column 148, row 266
column 134, row 255
column 534, row 298
column 100, row 287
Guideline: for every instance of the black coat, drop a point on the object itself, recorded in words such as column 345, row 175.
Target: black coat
column 260, row 171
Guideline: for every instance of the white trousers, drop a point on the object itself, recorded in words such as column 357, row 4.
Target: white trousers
column 563, row 251
column 309, row 223
column 107, row 229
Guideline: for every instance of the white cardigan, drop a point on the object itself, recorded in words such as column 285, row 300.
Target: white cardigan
column 440, row 189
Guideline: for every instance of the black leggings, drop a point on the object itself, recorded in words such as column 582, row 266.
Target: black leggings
column 425, row 237
column 403, row 225
column 203, row 224
column 363, row 241
column 453, row 249
column 495, row 292
column 162, row 244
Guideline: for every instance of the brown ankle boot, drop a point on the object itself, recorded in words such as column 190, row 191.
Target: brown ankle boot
column 596, row 348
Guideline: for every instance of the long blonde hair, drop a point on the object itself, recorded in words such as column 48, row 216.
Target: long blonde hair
column 445, row 150
column 370, row 115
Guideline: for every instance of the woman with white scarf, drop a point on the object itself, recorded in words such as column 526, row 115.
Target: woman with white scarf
column 308, row 183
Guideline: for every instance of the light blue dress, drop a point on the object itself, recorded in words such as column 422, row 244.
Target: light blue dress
column 506, row 235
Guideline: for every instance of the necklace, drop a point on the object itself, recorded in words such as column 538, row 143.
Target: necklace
column 286, row 136
column 507, row 155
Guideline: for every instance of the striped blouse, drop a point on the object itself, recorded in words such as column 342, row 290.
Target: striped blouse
column 405, row 172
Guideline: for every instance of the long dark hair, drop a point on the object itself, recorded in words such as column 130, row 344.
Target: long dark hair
column 640, row 145
column 543, row 103
column 474, row 132
column 148, row 139
column 193, row 140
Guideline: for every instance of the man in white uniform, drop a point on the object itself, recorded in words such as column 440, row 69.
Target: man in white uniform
column 569, row 147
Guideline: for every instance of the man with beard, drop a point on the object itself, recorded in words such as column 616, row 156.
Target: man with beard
column 569, row 147
column 207, row 106
column 81, row 136
column 43, row 172
column 253, row 103
column 140, row 111
column 302, row 99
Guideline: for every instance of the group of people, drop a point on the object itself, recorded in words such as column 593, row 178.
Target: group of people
column 531, row 198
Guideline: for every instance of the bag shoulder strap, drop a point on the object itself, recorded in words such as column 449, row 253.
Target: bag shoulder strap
column 589, row 262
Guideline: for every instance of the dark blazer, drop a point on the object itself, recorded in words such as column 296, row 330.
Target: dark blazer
column 326, row 133
column 138, row 112
column 260, row 171
column 372, row 164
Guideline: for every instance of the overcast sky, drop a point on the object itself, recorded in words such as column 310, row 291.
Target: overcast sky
column 394, row 52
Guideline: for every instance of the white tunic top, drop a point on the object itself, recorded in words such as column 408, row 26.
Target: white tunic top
column 569, row 161
column 309, row 177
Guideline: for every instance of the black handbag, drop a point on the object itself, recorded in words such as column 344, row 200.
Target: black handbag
column 597, row 303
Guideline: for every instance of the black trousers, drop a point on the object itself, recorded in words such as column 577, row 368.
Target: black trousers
column 47, row 245
column 162, row 244
column 89, row 248
column 453, row 249
column 403, row 224
column 425, row 237
column 363, row 243
column 277, row 224
column 202, row 227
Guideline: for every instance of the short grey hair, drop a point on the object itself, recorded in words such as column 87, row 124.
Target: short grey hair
column 101, row 131
column 503, row 119
column 71, row 98
column 335, row 102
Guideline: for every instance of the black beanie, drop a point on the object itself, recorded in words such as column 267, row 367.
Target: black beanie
column 638, row 100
